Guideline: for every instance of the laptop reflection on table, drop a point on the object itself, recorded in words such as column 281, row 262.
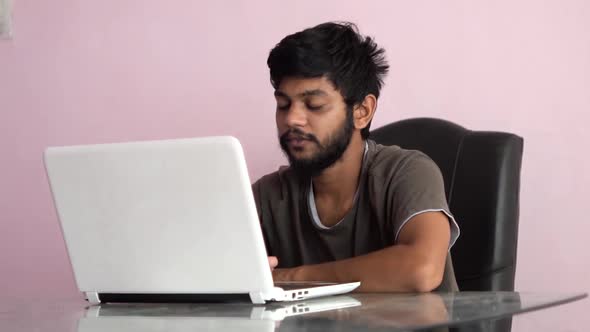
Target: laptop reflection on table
column 206, row 316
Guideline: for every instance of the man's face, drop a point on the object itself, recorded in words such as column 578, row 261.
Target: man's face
column 313, row 123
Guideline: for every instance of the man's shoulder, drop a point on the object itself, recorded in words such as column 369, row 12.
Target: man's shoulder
column 389, row 159
column 275, row 183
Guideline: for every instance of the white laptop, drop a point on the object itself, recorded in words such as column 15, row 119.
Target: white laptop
column 165, row 221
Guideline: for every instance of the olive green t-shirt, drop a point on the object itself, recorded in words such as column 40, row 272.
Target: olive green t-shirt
column 395, row 185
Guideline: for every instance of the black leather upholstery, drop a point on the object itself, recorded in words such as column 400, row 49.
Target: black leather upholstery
column 482, row 181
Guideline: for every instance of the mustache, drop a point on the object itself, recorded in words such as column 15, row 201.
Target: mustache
column 296, row 133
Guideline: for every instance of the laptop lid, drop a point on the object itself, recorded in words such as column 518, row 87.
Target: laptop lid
column 159, row 217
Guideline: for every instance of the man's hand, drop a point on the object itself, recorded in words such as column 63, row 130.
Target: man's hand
column 273, row 262
column 287, row 274
column 280, row 274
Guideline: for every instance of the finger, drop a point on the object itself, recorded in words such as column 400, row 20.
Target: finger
column 273, row 261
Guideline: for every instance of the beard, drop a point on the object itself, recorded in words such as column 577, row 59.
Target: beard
column 329, row 152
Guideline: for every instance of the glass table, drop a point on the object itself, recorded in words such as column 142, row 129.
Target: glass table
column 463, row 311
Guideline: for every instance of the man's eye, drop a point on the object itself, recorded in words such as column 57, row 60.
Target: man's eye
column 314, row 107
column 283, row 107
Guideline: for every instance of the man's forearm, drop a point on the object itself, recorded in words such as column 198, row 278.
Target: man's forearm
column 395, row 269
column 415, row 264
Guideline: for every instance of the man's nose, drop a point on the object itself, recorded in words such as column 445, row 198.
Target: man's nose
column 296, row 117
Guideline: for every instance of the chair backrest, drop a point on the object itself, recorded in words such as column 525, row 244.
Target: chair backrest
column 481, row 170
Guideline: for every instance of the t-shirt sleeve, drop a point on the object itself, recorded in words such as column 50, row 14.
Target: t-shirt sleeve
column 256, row 192
column 417, row 187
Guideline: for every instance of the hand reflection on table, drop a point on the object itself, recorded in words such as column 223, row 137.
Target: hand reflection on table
column 397, row 310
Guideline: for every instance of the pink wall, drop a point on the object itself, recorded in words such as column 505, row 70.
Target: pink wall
column 105, row 71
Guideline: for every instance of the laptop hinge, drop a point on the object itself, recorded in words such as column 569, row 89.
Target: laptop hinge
column 276, row 294
column 257, row 298
column 92, row 297
column 170, row 298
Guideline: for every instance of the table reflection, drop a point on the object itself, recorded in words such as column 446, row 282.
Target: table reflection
column 464, row 311
column 394, row 311
column 473, row 311
column 212, row 316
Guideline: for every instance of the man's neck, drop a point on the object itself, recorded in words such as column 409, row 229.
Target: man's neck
column 339, row 182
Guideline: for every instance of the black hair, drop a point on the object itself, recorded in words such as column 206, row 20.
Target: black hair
column 354, row 64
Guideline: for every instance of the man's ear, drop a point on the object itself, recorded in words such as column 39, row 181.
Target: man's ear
column 363, row 112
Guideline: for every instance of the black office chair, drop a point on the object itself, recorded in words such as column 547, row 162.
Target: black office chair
column 481, row 171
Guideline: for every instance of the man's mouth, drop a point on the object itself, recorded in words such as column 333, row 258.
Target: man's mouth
column 295, row 141
column 296, row 138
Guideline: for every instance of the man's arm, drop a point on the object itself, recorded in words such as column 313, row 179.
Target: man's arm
column 415, row 264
